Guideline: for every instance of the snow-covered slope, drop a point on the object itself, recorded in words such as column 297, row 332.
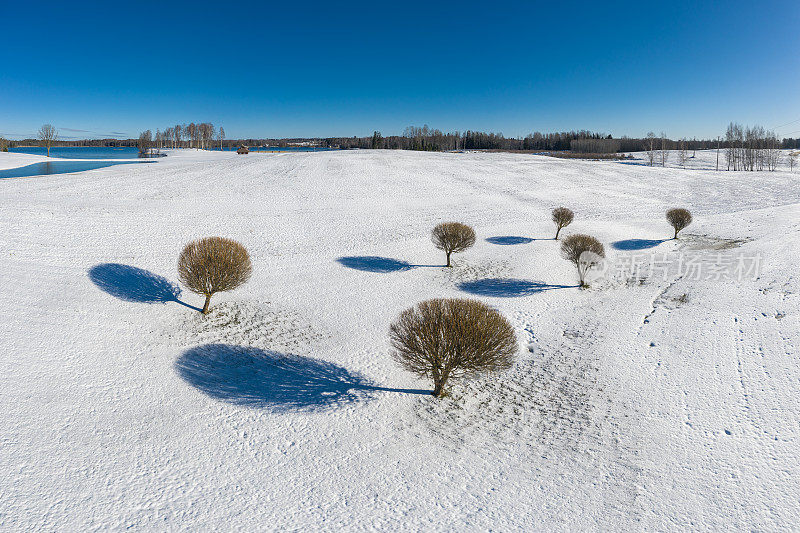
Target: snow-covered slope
column 657, row 400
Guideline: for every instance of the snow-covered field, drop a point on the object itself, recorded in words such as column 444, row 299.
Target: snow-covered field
column 666, row 397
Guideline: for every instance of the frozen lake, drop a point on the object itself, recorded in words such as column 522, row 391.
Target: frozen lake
column 81, row 152
column 60, row 167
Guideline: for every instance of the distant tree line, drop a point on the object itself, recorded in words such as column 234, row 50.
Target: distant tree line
column 789, row 143
column 426, row 138
column 595, row 146
column 430, row 139
column 746, row 148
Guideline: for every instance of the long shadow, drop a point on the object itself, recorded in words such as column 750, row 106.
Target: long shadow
column 637, row 244
column 507, row 287
column 508, row 240
column 374, row 263
column 253, row 377
column 133, row 284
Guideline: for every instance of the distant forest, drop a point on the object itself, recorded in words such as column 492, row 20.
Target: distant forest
column 205, row 135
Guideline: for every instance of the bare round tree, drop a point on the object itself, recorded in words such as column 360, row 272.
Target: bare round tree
column 679, row 218
column 452, row 237
column 562, row 217
column 213, row 264
column 48, row 135
column 445, row 339
column 584, row 251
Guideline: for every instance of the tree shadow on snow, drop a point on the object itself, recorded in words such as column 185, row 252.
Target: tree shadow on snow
column 637, row 244
column 133, row 284
column 252, row 377
column 507, row 240
column 507, row 287
column 373, row 263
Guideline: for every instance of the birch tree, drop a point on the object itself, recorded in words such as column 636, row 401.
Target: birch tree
column 651, row 148
column 682, row 152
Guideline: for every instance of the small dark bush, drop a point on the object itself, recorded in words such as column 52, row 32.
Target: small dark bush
column 445, row 339
column 679, row 218
column 584, row 251
column 452, row 237
column 562, row 217
column 213, row 264
column 591, row 157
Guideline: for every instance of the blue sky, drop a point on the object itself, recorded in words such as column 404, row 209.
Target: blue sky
column 348, row 68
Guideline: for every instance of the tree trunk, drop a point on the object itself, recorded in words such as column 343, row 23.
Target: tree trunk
column 205, row 306
column 448, row 258
column 676, row 234
column 558, row 230
column 438, row 387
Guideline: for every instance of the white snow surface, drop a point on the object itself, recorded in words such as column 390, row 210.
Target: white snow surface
column 644, row 403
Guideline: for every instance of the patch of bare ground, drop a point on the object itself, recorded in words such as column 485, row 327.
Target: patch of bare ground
column 691, row 241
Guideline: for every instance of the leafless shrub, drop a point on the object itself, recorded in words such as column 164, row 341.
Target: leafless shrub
column 452, row 237
column 792, row 156
column 213, row 264
column 145, row 143
column 562, row 217
column 679, row 218
column 584, row 251
column 445, row 339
